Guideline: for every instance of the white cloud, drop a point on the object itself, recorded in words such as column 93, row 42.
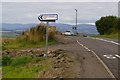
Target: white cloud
column 0, row 12
column 27, row 12
column 66, row 18
column 31, row 15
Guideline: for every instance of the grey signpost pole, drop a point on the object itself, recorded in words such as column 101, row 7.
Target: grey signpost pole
column 46, row 38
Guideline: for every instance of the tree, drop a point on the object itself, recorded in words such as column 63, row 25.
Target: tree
column 117, row 24
column 107, row 25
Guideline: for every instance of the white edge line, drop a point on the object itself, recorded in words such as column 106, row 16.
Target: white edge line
column 106, row 40
column 111, row 74
column 104, row 65
column 83, row 46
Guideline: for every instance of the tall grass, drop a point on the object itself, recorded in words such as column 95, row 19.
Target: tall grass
column 31, row 38
column 36, row 34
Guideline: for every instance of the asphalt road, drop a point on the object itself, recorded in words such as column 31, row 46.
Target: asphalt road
column 88, row 65
column 105, row 50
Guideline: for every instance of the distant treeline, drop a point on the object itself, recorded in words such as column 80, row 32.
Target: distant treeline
column 108, row 25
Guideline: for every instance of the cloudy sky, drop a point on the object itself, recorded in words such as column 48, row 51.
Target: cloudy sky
column 59, row 0
column 27, row 12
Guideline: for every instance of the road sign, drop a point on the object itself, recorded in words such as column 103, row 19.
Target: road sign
column 48, row 17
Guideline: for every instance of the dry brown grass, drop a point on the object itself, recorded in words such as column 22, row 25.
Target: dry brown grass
column 7, row 40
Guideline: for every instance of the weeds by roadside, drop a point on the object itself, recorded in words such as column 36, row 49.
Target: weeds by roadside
column 22, row 66
column 16, row 64
column 14, row 44
column 31, row 38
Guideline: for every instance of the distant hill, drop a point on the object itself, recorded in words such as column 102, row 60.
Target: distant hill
column 87, row 29
column 82, row 28
column 15, row 27
column 61, row 27
column 13, row 30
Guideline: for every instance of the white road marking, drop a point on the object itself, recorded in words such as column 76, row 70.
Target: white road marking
column 104, row 55
column 106, row 40
column 87, row 48
column 111, row 74
column 109, row 56
column 114, row 57
column 117, row 55
column 83, row 46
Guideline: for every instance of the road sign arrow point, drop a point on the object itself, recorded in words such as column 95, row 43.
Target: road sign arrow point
column 41, row 17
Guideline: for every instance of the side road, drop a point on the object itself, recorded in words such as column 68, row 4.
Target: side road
column 86, row 64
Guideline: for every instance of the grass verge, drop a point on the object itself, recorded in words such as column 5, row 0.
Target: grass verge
column 24, row 67
column 112, row 36
column 12, row 43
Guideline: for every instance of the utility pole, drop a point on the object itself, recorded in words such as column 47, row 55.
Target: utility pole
column 76, row 21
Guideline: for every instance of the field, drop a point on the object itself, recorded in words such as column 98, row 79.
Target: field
column 9, row 34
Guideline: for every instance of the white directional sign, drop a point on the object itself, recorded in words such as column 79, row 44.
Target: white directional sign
column 48, row 17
